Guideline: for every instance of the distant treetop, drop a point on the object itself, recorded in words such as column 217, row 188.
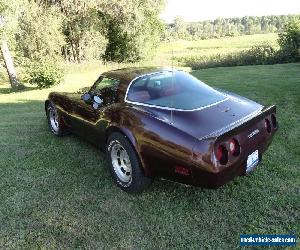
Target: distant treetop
column 222, row 27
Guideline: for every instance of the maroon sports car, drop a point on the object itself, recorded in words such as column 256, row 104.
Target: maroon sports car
column 158, row 122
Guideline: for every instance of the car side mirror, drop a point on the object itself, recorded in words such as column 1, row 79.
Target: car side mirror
column 98, row 102
column 86, row 97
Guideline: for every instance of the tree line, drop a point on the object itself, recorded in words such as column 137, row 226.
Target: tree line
column 222, row 27
column 43, row 33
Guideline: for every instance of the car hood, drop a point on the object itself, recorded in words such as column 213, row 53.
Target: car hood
column 209, row 120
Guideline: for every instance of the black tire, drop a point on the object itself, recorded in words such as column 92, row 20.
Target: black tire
column 138, row 181
column 59, row 128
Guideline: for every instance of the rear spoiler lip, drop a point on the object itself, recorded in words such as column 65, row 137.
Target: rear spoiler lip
column 241, row 123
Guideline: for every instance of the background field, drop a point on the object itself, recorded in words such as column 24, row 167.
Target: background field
column 211, row 47
column 57, row 192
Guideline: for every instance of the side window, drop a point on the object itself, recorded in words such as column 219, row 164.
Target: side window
column 140, row 83
column 160, row 81
column 150, row 88
column 106, row 87
column 138, row 91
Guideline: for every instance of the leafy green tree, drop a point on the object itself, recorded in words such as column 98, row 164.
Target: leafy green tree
column 120, row 30
column 39, row 41
column 8, row 23
column 133, row 28
column 82, row 27
column 83, row 30
column 217, row 27
column 180, row 28
column 289, row 38
column 40, row 33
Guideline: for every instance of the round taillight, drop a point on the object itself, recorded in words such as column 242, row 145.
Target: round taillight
column 222, row 154
column 268, row 125
column 274, row 121
column 234, row 147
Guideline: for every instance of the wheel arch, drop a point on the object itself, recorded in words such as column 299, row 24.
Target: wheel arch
column 130, row 136
column 126, row 132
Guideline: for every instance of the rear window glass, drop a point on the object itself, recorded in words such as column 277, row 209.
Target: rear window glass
column 177, row 89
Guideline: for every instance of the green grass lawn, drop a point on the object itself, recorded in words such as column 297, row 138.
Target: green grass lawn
column 57, row 192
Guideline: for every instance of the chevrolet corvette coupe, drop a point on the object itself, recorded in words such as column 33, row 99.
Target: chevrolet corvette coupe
column 160, row 122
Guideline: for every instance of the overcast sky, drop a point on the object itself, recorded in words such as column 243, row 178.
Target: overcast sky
column 197, row 10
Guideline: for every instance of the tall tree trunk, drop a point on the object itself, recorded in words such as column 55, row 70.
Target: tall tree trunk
column 9, row 65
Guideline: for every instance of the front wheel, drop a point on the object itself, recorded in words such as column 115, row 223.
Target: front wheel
column 55, row 121
column 124, row 164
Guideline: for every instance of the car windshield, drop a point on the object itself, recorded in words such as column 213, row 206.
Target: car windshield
column 177, row 89
column 104, row 83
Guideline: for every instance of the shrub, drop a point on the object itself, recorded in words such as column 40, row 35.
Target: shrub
column 259, row 54
column 44, row 74
column 289, row 40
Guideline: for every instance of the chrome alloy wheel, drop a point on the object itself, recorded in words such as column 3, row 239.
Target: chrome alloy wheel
column 53, row 119
column 121, row 162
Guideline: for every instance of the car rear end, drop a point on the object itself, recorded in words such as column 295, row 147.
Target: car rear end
column 238, row 149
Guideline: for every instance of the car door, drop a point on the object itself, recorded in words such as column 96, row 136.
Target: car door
column 88, row 120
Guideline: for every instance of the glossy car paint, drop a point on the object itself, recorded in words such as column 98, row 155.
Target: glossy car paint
column 180, row 148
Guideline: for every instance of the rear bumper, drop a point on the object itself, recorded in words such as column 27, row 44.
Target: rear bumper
column 214, row 180
column 207, row 179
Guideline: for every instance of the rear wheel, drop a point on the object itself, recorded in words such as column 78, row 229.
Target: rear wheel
column 124, row 164
column 55, row 121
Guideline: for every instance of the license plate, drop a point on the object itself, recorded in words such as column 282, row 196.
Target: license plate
column 252, row 160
